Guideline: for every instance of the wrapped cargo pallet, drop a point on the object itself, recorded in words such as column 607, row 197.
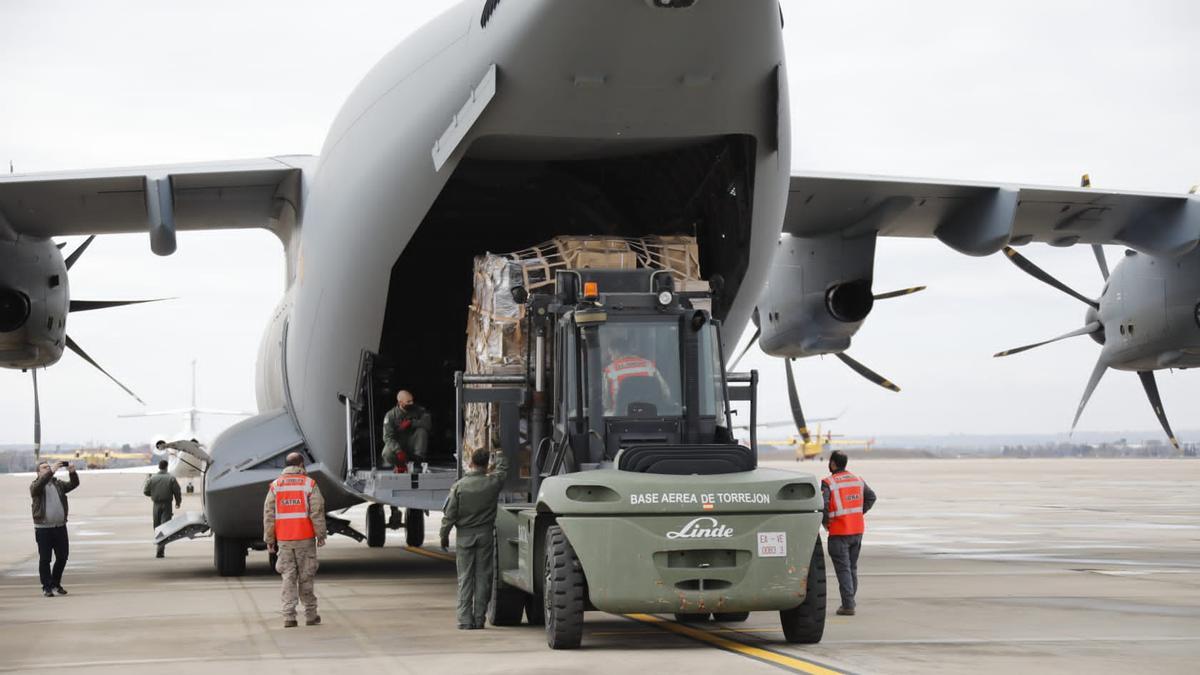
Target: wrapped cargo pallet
column 497, row 340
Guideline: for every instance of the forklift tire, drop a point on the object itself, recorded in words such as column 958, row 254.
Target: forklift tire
column 229, row 556
column 507, row 603
column 691, row 618
column 272, row 560
column 565, row 591
column 535, row 612
column 376, row 528
column 731, row 617
column 414, row 527
column 806, row 624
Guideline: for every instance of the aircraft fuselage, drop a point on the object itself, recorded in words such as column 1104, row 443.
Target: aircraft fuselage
column 682, row 129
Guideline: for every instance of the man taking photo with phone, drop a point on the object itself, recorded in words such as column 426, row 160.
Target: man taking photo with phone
column 49, row 496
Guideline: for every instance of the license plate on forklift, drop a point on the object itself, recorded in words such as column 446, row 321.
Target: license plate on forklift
column 772, row 544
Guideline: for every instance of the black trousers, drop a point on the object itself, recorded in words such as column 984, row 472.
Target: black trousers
column 52, row 540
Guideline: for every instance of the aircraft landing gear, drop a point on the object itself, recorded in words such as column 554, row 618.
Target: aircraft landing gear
column 376, row 527
column 191, row 489
column 414, row 527
column 229, row 556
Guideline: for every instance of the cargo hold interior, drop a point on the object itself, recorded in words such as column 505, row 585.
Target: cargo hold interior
column 492, row 204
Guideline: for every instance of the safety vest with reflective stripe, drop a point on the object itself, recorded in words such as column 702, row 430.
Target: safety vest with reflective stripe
column 625, row 368
column 291, row 507
column 845, row 503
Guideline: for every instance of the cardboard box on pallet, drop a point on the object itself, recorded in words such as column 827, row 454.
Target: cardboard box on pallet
column 497, row 337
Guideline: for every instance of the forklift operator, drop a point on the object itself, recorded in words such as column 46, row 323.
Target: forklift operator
column 406, row 430
column 624, row 365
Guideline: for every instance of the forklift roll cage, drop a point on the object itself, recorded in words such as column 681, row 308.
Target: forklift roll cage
column 581, row 435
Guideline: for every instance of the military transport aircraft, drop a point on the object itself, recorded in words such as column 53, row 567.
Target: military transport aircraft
column 501, row 124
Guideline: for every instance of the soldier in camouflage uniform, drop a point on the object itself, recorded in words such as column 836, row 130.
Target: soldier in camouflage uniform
column 471, row 508
column 406, row 430
column 293, row 527
column 162, row 489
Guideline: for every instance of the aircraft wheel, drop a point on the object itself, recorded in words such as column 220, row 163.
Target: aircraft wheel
column 191, row 488
column 691, row 618
column 376, row 528
column 229, row 555
column 731, row 617
column 414, row 527
column 806, row 624
column 565, row 592
column 507, row 603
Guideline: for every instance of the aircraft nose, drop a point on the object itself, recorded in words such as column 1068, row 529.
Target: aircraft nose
column 14, row 309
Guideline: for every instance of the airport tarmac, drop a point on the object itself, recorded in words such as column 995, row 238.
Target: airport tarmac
column 989, row 565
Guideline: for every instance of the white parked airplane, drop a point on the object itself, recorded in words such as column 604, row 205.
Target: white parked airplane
column 187, row 459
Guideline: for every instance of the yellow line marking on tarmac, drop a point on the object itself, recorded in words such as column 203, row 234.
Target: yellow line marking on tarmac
column 789, row 662
column 449, row 557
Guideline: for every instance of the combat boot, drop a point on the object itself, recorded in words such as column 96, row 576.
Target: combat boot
column 289, row 623
column 315, row 621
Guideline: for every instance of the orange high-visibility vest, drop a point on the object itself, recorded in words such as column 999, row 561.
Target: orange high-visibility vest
column 291, row 507
column 845, row 503
column 625, row 368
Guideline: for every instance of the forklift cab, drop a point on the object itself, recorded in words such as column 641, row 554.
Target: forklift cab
column 639, row 371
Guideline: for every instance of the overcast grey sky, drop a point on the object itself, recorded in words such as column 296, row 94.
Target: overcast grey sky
column 1019, row 91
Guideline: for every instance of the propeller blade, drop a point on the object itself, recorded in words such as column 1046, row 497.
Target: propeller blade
column 896, row 294
column 79, row 251
column 1097, row 373
column 754, row 339
column 83, row 355
column 1151, row 387
column 1101, row 260
column 60, row 245
column 1040, row 274
column 794, row 400
column 88, row 305
column 37, row 419
column 867, row 372
column 1086, row 330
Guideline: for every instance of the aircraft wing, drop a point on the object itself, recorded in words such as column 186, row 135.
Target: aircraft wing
column 786, row 423
column 158, row 199
column 982, row 218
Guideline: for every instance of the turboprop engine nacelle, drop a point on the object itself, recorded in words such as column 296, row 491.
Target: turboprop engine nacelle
column 34, row 301
column 817, row 295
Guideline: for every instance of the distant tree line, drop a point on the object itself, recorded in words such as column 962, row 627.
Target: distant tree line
column 1148, row 449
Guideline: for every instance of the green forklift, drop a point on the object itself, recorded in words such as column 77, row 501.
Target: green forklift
column 631, row 493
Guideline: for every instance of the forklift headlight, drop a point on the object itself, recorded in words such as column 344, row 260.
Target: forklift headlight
column 665, row 298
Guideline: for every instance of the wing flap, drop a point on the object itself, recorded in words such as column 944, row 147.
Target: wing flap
column 970, row 217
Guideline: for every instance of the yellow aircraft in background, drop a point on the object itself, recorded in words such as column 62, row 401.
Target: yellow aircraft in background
column 810, row 446
column 95, row 458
